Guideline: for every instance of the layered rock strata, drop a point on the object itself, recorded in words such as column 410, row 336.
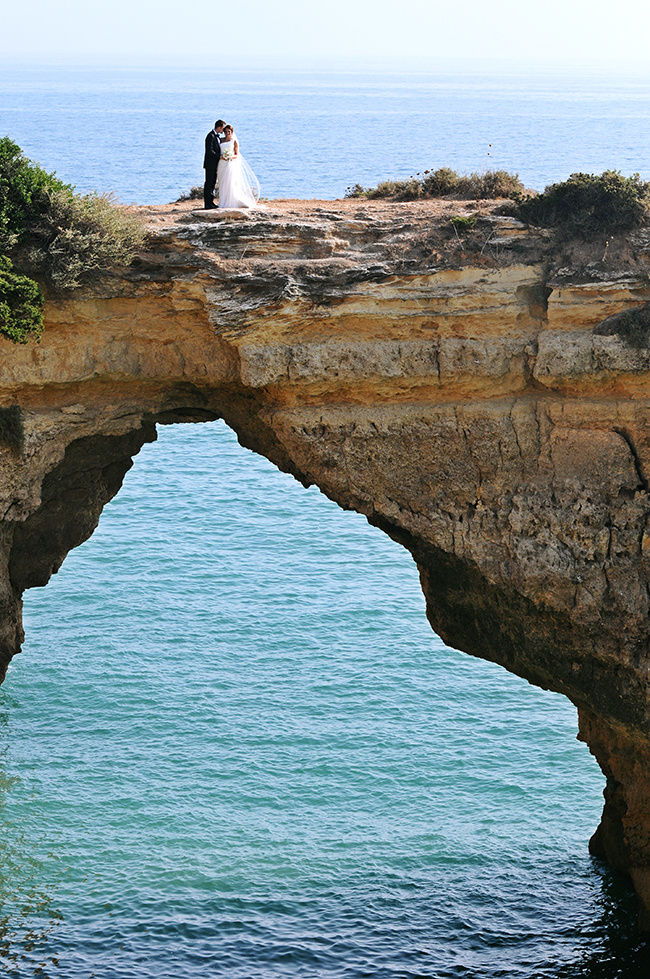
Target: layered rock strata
column 467, row 390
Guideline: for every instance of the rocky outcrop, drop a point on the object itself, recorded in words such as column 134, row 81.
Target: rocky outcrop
column 458, row 388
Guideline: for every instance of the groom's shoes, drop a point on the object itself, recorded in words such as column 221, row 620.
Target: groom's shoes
column 210, row 207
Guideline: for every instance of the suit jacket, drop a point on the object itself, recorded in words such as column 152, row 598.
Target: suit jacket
column 212, row 150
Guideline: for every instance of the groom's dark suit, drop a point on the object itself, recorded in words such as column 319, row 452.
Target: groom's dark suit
column 210, row 164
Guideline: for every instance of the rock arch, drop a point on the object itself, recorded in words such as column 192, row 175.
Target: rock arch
column 475, row 409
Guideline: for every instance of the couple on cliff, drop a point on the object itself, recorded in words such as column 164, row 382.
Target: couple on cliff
column 223, row 163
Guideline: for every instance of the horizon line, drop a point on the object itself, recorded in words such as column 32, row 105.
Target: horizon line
column 325, row 64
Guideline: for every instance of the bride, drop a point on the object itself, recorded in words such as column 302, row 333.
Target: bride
column 238, row 185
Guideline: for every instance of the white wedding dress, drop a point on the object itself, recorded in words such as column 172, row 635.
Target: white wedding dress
column 238, row 185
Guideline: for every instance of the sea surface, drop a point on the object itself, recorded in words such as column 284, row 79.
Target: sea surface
column 139, row 133
column 232, row 746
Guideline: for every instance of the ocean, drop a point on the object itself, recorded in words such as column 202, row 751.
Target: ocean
column 232, row 746
column 138, row 133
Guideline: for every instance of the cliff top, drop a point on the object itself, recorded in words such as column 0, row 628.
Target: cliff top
column 401, row 236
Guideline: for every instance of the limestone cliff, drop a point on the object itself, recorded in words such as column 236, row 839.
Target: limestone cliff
column 467, row 390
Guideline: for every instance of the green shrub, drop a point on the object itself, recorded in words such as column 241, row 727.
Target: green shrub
column 445, row 182
column 404, row 190
column 62, row 237
column 590, row 202
column 463, row 223
column 24, row 188
column 77, row 236
column 21, row 305
column 194, row 194
column 495, row 184
column 440, row 183
column 59, row 235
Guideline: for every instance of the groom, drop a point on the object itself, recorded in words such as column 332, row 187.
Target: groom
column 211, row 162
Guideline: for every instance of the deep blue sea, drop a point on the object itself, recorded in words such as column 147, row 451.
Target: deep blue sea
column 139, row 133
column 232, row 745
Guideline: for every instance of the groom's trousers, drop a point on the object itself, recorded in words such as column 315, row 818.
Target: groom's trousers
column 210, row 181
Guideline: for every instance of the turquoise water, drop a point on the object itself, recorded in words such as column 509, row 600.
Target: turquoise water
column 232, row 745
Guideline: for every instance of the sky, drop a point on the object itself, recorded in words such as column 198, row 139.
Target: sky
column 229, row 32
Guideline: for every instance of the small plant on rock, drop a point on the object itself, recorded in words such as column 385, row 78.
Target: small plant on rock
column 194, row 194
column 463, row 223
column 24, row 192
column 440, row 183
column 445, row 182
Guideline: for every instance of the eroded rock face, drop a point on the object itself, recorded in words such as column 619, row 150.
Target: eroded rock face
column 455, row 389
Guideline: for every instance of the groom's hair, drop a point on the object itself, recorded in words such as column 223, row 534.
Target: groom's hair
column 218, row 123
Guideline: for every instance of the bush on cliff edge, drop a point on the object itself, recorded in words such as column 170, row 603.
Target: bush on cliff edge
column 50, row 232
column 444, row 182
column 79, row 236
column 588, row 202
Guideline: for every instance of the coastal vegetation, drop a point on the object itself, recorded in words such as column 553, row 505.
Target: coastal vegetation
column 462, row 223
column 53, row 237
column 194, row 194
column 21, row 304
column 444, row 182
column 588, row 202
column 585, row 202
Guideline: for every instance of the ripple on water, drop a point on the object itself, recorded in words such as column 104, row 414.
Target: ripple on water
column 233, row 745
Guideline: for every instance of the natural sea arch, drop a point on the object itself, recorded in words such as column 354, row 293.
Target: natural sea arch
column 483, row 411
column 145, row 616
